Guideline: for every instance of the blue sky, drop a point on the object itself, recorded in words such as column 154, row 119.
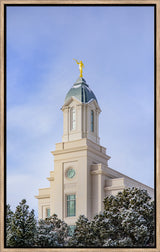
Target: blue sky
column 116, row 45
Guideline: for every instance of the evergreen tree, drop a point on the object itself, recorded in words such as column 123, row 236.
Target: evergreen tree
column 127, row 221
column 22, row 227
column 131, row 215
column 9, row 218
column 82, row 237
column 51, row 232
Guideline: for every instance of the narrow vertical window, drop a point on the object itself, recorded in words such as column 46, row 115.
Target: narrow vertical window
column 73, row 118
column 48, row 212
column 92, row 120
column 71, row 205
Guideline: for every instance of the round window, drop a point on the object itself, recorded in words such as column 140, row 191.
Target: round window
column 71, row 173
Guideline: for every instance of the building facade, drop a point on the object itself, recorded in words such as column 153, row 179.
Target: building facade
column 81, row 177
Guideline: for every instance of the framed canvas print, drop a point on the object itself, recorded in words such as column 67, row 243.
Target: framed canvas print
column 79, row 125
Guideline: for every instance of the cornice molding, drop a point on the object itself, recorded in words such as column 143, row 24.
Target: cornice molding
column 99, row 172
column 50, row 178
column 42, row 196
column 112, row 188
column 75, row 149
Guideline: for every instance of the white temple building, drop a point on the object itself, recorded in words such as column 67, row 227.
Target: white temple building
column 81, row 177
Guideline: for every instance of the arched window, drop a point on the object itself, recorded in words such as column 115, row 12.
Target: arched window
column 92, row 120
column 73, row 119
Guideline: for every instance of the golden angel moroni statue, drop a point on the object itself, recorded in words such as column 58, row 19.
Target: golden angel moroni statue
column 80, row 67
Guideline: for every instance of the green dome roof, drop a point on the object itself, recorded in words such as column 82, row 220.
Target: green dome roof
column 81, row 91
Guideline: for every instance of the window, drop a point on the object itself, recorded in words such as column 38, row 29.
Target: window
column 48, row 212
column 71, row 205
column 71, row 230
column 73, row 118
column 92, row 120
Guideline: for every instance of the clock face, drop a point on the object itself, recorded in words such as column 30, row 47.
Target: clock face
column 71, row 173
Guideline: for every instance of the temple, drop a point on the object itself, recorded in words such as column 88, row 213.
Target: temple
column 81, row 177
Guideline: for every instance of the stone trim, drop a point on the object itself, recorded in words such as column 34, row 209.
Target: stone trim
column 111, row 188
column 42, row 196
column 59, row 152
column 97, row 172
column 50, row 178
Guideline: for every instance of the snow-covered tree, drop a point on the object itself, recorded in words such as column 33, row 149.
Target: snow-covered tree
column 82, row 236
column 22, row 227
column 9, row 217
column 51, row 232
column 127, row 221
column 131, row 215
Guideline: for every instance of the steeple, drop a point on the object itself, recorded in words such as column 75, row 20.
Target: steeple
column 81, row 177
column 80, row 113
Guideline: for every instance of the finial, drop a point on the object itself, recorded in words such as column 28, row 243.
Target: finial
column 80, row 67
